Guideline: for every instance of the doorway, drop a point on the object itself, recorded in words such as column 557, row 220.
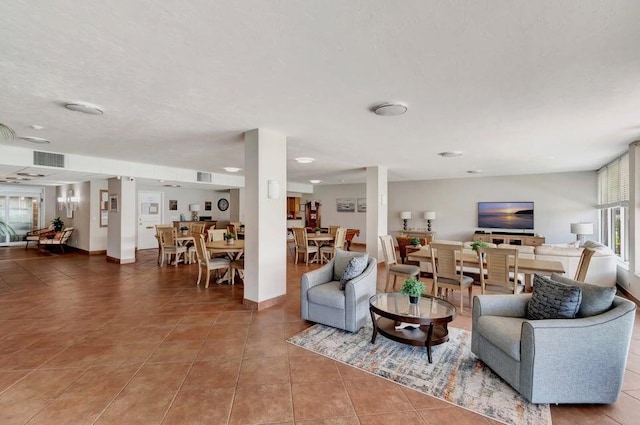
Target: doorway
column 149, row 215
column 20, row 212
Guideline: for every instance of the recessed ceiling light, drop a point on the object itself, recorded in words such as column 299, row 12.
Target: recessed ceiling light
column 315, row 181
column 305, row 160
column 30, row 174
column 451, row 154
column 172, row 185
column 38, row 140
column 390, row 109
column 232, row 169
column 87, row 108
column 475, row 171
column 36, row 127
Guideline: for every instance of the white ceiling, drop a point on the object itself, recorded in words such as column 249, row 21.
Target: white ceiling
column 519, row 86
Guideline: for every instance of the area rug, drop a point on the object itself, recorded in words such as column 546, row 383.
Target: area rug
column 455, row 376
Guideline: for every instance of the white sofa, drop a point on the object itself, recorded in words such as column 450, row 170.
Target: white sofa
column 602, row 269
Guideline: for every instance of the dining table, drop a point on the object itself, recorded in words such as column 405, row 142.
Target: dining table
column 319, row 239
column 234, row 251
column 526, row 266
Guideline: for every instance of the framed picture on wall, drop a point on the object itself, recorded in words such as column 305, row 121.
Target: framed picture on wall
column 346, row 204
column 207, row 205
column 173, row 205
column 362, row 204
column 113, row 203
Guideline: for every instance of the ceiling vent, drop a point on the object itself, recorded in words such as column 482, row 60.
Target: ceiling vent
column 204, row 177
column 48, row 159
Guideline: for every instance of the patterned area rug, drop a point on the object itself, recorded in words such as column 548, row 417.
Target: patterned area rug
column 455, row 376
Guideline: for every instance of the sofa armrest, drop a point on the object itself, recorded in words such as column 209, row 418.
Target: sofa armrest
column 500, row 305
column 357, row 292
column 310, row 279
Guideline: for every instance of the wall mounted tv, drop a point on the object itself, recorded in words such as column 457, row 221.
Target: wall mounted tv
column 505, row 215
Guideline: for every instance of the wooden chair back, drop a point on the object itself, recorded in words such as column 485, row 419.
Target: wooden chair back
column 300, row 236
column 498, row 271
column 216, row 234
column 446, row 260
column 201, row 248
column 169, row 236
column 388, row 250
column 333, row 230
column 197, row 227
column 340, row 238
column 233, row 228
column 583, row 264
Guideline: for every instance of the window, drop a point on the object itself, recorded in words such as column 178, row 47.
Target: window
column 613, row 203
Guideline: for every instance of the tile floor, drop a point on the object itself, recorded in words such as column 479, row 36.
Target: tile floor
column 83, row 341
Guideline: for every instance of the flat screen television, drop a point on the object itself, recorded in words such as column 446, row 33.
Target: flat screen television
column 505, row 215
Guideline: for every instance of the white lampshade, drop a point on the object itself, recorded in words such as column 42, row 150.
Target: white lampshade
column 194, row 207
column 582, row 228
column 405, row 215
column 429, row 215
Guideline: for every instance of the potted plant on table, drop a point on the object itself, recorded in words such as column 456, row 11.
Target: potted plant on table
column 413, row 288
column 230, row 238
column 415, row 242
column 57, row 224
column 475, row 245
column 318, row 230
column 184, row 230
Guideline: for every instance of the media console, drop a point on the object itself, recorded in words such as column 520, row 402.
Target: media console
column 510, row 238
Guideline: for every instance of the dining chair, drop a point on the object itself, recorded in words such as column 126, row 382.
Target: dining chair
column 232, row 228
column 583, row 264
column 302, row 245
column 237, row 265
column 170, row 246
column 447, row 264
column 328, row 251
column 333, row 230
column 206, row 263
column 197, row 227
column 500, row 273
column 216, row 234
column 392, row 266
column 160, row 244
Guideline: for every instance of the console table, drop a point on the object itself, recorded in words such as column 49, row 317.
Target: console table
column 509, row 238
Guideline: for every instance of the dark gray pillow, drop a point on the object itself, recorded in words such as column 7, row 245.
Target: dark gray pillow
column 553, row 300
column 341, row 260
column 596, row 299
column 354, row 268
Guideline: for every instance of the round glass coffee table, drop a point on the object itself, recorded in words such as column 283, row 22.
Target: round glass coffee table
column 422, row 324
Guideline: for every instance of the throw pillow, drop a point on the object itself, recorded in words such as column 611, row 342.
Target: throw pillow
column 596, row 299
column 553, row 300
column 354, row 268
column 341, row 260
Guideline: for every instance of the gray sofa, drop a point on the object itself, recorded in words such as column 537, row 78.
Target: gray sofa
column 322, row 301
column 578, row 360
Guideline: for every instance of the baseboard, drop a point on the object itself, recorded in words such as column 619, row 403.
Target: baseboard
column 253, row 305
column 628, row 295
column 120, row 260
column 84, row 251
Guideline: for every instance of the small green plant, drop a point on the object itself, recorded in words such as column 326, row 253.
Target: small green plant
column 478, row 244
column 318, row 229
column 57, row 224
column 184, row 228
column 229, row 236
column 412, row 287
column 415, row 241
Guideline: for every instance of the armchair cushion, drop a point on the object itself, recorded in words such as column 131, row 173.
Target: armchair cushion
column 596, row 299
column 327, row 295
column 553, row 300
column 354, row 268
column 342, row 258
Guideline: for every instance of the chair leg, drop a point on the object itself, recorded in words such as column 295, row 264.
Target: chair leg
column 199, row 275
column 208, row 276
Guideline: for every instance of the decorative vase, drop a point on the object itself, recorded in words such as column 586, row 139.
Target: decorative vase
column 230, row 241
column 414, row 299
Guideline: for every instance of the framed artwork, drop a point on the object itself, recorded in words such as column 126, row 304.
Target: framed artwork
column 104, row 208
column 114, row 206
column 207, row 205
column 362, row 204
column 346, row 204
column 173, row 205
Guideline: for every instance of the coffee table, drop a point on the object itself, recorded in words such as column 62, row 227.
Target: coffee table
column 423, row 324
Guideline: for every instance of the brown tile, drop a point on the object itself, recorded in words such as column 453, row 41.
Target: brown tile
column 265, row 347
column 452, row 415
column 580, row 414
column 258, row 404
column 350, row 372
column 221, row 349
column 81, row 355
column 320, row 400
column 265, row 370
column 376, row 396
column 103, row 382
column 137, row 408
column 227, row 317
column 422, row 401
column 7, row 379
column 165, row 377
column 316, row 368
column 212, row 374
column 75, row 411
column 147, row 334
column 232, row 331
column 19, row 412
column 206, row 319
column 395, row 418
column 624, row 411
column 195, row 407
column 127, row 354
column 41, row 384
column 188, row 332
column 176, row 352
column 351, row 420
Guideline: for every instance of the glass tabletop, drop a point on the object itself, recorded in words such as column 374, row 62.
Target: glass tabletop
column 398, row 304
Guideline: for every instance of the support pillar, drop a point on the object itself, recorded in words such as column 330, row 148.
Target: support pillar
column 265, row 195
column 121, row 232
column 377, row 195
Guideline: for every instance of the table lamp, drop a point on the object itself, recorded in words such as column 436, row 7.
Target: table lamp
column 405, row 216
column 429, row 215
column 581, row 229
column 194, row 208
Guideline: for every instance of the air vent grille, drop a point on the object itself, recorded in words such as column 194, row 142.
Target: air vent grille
column 48, row 159
column 204, row 177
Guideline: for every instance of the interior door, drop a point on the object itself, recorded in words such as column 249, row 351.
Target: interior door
column 149, row 215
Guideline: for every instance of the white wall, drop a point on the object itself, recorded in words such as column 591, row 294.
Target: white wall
column 560, row 199
column 98, row 240
column 186, row 196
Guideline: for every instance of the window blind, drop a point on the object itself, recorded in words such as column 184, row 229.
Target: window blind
column 613, row 183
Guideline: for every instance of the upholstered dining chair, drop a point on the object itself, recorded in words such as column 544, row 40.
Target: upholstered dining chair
column 447, row 265
column 205, row 263
column 391, row 263
column 328, row 251
column 497, row 275
column 170, row 246
column 583, row 264
column 302, row 244
column 216, row 234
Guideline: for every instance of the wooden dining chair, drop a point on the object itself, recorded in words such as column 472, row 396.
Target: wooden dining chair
column 197, row 227
column 583, row 265
column 447, row 264
column 328, row 251
column 333, row 230
column 160, row 244
column 205, row 263
column 496, row 272
column 302, row 245
column 392, row 266
column 170, row 246
column 216, row 234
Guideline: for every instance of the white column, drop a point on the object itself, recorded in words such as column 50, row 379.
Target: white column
column 121, row 232
column 237, row 205
column 377, row 195
column 265, row 282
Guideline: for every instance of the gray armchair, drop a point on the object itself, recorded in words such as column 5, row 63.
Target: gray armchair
column 322, row 301
column 578, row 360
